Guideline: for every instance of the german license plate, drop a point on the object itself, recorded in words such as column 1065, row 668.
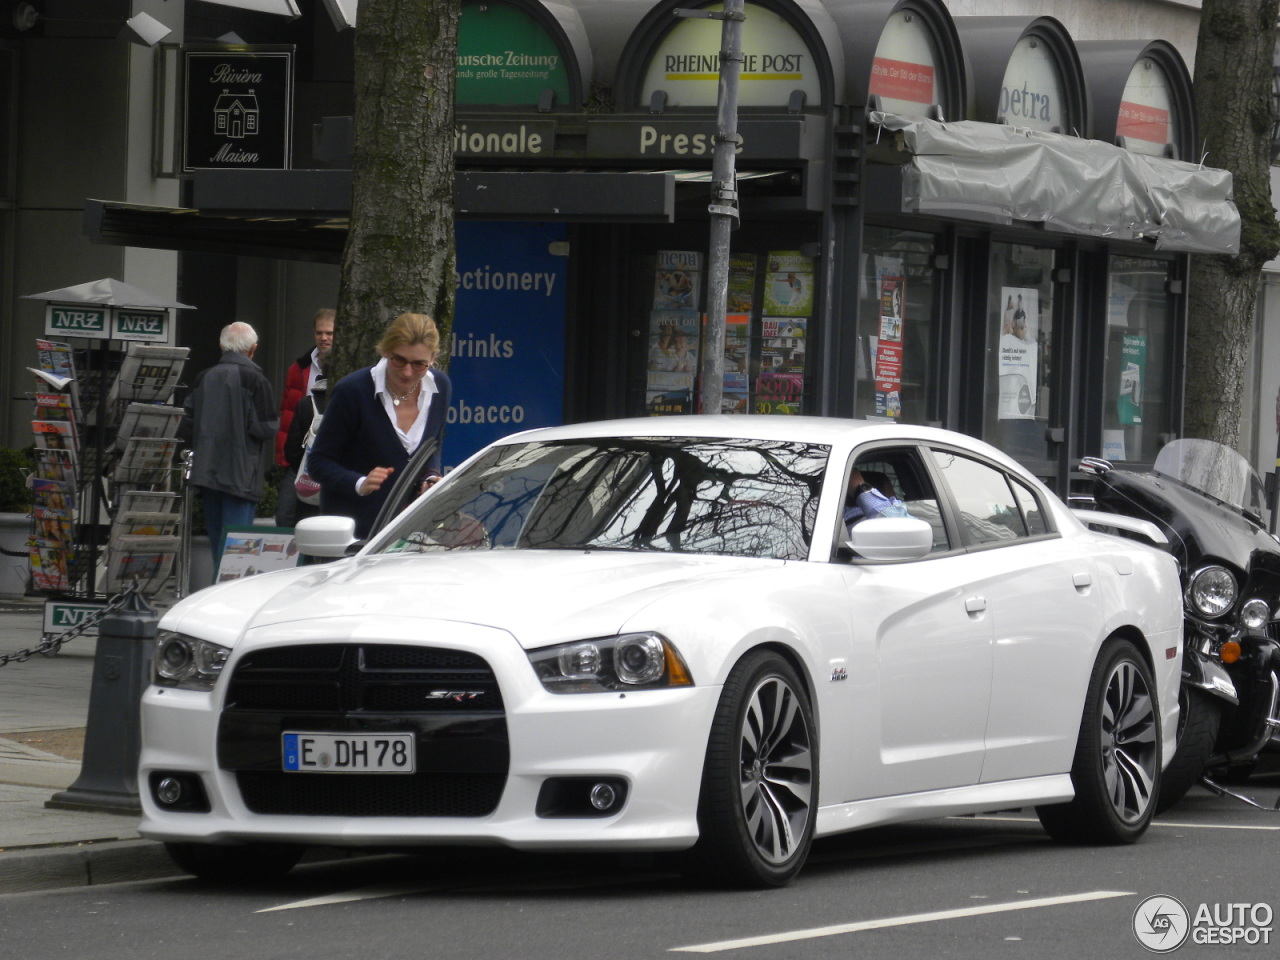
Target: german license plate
column 349, row 752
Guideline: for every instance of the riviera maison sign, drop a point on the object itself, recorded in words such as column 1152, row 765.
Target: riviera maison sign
column 237, row 108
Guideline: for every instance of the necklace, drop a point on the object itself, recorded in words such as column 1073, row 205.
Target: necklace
column 397, row 400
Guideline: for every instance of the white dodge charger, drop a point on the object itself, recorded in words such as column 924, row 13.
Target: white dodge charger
column 672, row 634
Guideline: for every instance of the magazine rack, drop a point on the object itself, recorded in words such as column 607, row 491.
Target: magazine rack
column 107, row 496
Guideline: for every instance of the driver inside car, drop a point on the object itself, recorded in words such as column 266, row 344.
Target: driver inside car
column 870, row 495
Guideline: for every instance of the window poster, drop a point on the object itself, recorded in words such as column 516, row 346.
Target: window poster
column 674, row 333
column 789, row 284
column 887, row 357
column 1018, row 354
column 1133, row 363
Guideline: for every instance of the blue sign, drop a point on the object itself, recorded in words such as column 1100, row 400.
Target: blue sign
column 507, row 345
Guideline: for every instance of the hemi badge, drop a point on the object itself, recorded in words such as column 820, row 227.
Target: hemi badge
column 1170, row 653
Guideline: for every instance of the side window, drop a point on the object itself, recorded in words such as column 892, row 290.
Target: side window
column 898, row 473
column 1032, row 512
column 988, row 511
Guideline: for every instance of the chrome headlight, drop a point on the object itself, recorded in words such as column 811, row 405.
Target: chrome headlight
column 1255, row 614
column 1212, row 591
column 187, row 662
column 627, row 662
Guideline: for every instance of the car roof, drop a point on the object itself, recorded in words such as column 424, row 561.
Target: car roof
column 834, row 431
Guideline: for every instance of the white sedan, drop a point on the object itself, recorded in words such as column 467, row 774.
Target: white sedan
column 672, row 634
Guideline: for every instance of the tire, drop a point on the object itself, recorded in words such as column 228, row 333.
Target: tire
column 1199, row 716
column 1116, row 770
column 245, row 864
column 759, row 794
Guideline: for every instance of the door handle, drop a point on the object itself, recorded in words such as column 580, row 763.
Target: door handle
column 1082, row 581
column 975, row 605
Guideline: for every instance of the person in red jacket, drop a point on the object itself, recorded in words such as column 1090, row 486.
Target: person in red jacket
column 298, row 383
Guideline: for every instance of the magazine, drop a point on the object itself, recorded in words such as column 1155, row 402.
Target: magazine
column 52, row 499
column 149, row 372
column 148, row 421
column 778, row 392
column 789, row 284
column 55, row 465
column 55, row 530
column 54, row 406
column 678, row 280
column 49, row 567
column 249, row 552
column 145, row 462
column 742, row 283
column 45, row 379
column 54, row 435
column 55, row 359
column 145, row 559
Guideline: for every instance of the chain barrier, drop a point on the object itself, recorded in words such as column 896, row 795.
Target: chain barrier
column 51, row 645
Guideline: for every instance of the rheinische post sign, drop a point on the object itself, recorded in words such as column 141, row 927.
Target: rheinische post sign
column 238, row 107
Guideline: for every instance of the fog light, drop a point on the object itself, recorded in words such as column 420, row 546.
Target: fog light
column 169, row 790
column 1230, row 652
column 603, row 796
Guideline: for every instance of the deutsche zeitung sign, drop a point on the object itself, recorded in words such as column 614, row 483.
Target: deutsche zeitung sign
column 238, row 107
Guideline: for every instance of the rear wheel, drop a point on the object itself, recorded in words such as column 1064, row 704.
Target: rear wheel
column 1199, row 716
column 247, row 863
column 1116, row 771
column 760, row 780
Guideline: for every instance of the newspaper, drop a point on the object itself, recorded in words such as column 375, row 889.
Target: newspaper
column 148, row 421
column 149, row 373
column 147, row 501
column 145, row 559
column 143, row 523
column 145, row 462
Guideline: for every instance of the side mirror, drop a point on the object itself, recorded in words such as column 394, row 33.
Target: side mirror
column 326, row 536
column 891, row 538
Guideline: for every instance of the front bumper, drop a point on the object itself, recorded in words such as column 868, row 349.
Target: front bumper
column 652, row 740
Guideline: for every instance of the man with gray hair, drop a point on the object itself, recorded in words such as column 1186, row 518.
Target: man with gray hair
column 228, row 420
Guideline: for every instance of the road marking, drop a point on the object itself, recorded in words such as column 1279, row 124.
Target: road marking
column 541, row 884
column 884, row 922
column 1154, row 823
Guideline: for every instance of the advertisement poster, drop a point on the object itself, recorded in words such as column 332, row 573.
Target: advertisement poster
column 1133, row 365
column 887, row 359
column 789, row 285
column 1018, row 357
column 253, row 550
column 506, row 350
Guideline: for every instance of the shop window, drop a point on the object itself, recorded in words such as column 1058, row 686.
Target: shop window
column 1137, row 385
column 1019, row 336
column 771, row 301
column 897, row 326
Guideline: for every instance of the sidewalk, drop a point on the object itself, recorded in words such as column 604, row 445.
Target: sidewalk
column 44, row 703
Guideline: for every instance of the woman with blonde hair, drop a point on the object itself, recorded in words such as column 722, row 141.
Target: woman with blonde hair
column 375, row 420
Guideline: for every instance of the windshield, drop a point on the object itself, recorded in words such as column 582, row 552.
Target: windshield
column 742, row 498
column 1213, row 469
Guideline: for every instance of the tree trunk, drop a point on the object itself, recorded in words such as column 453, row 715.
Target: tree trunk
column 1233, row 101
column 399, row 254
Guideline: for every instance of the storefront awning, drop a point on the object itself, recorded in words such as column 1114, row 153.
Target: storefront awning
column 1003, row 174
column 302, row 214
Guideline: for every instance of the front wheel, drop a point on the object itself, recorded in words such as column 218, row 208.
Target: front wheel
column 1116, row 771
column 246, row 864
column 760, row 780
column 1199, row 716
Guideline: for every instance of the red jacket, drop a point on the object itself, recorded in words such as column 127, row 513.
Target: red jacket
column 295, row 388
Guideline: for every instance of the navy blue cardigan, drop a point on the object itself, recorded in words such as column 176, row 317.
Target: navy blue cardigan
column 355, row 436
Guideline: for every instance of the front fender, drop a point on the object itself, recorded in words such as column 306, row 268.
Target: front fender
column 1203, row 672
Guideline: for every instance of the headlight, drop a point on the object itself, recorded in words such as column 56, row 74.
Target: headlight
column 628, row 662
column 187, row 662
column 1212, row 591
column 1255, row 614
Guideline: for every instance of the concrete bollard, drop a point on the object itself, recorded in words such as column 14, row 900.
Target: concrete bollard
column 108, row 781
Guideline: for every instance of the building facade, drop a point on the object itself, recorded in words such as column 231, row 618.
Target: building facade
column 926, row 228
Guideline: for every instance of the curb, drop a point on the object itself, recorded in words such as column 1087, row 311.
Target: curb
column 28, row 869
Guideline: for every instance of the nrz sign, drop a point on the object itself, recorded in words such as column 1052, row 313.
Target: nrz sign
column 99, row 322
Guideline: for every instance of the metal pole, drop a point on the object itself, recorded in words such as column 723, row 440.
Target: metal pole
column 724, row 198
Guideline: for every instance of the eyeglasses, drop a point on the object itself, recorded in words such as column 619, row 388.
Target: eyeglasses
column 401, row 362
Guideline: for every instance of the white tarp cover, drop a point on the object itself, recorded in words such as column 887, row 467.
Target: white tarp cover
column 1002, row 174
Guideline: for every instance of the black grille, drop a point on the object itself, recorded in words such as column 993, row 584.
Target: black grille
column 370, row 795
column 347, row 677
column 449, row 699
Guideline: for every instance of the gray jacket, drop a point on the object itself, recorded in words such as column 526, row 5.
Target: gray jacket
column 228, row 419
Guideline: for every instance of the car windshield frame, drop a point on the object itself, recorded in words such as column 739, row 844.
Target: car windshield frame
column 723, row 496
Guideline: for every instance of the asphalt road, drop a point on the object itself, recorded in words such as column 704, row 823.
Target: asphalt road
column 965, row 888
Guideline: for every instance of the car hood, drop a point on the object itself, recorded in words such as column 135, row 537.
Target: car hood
column 539, row 597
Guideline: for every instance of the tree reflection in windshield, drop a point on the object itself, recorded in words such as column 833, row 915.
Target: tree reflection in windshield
column 749, row 498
